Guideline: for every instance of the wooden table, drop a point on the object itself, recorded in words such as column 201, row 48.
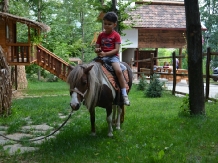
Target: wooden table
column 183, row 71
column 164, row 72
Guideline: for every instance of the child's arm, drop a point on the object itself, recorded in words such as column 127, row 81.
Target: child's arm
column 110, row 53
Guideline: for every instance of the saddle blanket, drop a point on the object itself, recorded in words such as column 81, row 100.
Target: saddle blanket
column 113, row 79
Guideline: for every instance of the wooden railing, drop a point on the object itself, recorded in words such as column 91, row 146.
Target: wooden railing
column 52, row 63
column 181, row 74
column 21, row 54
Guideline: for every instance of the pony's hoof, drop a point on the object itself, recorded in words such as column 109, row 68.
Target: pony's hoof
column 110, row 135
column 118, row 127
column 93, row 134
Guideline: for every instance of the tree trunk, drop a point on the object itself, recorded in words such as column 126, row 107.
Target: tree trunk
column 194, row 48
column 21, row 78
column 5, row 5
column 5, row 86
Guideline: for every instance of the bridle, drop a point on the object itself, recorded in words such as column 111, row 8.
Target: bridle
column 80, row 93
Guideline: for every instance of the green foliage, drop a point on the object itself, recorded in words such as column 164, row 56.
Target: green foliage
column 142, row 83
column 52, row 78
column 208, row 11
column 36, row 39
column 185, row 107
column 32, row 74
column 121, row 12
column 155, row 88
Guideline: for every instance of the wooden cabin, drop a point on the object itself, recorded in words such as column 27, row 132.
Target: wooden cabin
column 156, row 24
column 19, row 47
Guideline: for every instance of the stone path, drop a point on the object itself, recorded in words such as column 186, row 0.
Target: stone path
column 29, row 132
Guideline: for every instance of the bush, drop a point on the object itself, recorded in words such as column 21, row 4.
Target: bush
column 52, row 78
column 142, row 83
column 185, row 107
column 155, row 88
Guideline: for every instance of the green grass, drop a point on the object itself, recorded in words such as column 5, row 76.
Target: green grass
column 47, row 88
column 154, row 130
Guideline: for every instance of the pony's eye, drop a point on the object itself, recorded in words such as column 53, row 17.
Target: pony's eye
column 84, row 82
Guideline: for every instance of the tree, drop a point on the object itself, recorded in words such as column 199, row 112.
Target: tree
column 194, row 49
column 4, row 4
column 209, row 17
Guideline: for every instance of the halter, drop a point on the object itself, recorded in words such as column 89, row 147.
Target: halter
column 80, row 93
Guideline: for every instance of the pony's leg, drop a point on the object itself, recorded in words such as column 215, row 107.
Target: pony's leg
column 109, row 121
column 114, row 120
column 92, row 120
column 119, row 111
column 122, row 114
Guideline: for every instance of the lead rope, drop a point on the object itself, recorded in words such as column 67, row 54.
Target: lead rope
column 36, row 139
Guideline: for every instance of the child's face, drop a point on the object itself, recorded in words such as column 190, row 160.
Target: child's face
column 109, row 26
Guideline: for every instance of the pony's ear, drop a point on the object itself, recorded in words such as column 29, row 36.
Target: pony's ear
column 86, row 71
column 71, row 67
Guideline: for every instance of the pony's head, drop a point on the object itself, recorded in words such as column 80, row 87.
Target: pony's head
column 78, row 80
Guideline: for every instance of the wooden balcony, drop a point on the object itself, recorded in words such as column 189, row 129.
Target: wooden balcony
column 21, row 54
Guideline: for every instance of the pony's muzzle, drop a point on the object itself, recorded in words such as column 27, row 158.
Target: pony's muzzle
column 75, row 107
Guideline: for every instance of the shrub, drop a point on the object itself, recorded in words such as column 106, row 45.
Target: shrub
column 155, row 88
column 142, row 83
column 185, row 107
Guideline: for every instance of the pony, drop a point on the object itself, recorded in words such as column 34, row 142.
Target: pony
column 90, row 86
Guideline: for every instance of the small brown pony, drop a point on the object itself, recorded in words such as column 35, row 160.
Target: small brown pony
column 88, row 84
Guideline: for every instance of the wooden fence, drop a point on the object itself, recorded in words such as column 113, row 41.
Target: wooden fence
column 175, row 73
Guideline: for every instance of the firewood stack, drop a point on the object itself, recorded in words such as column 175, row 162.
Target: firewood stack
column 5, row 86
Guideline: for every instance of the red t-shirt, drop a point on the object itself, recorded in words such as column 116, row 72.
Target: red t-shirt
column 107, row 41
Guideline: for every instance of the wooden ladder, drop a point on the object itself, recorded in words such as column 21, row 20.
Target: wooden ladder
column 52, row 63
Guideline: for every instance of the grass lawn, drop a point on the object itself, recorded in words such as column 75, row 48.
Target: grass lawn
column 154, row 130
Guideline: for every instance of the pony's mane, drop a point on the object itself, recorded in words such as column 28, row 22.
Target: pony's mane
column 94, row 78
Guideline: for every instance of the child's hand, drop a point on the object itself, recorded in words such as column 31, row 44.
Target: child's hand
column 98, row 50
column 101, row 54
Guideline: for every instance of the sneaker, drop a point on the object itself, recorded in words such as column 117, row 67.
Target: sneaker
column 126, row 100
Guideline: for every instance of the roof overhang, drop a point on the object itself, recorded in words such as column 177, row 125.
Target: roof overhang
column 28, row 22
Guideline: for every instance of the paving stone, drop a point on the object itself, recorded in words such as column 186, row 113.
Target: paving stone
column 62, row 116
column 37, row 127
column 5, row 141
column 17, row 136
column 3, row 128
column 18, row 148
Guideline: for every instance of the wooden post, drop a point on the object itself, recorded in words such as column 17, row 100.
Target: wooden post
column 174, row 73
column 152, row 66
column 156, row 49
column 180, row 59
column 207, row 75
column 16, row 84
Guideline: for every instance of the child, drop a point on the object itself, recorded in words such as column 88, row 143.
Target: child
column 108, row 45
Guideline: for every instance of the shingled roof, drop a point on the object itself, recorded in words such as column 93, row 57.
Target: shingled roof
column 23, row 20
column 159, row 15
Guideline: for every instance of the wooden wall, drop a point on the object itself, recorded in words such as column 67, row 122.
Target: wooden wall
column 145, row 54
column 161, row 38
column 2, row 34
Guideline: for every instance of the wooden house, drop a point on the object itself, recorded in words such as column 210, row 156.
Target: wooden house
column 24, row 48
column 19, row 47
column 156, row 24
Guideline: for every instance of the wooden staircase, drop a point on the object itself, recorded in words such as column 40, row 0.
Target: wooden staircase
column 52, row 63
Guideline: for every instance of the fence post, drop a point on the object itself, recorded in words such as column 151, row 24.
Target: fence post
column 207, row 75
column 152, row 66
column 174, row 73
